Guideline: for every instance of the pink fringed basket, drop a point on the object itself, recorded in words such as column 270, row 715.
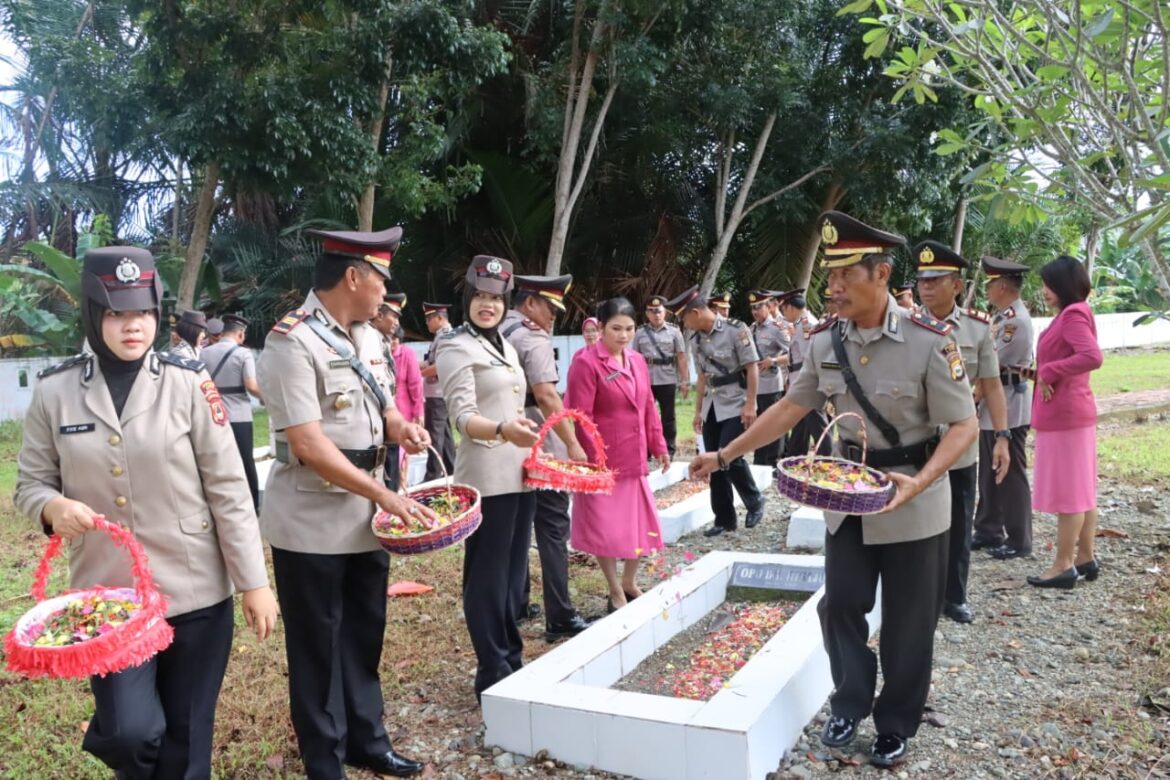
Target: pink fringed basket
column 460, row 527
column 133, row 642
column 546, row 473
column 794, row 480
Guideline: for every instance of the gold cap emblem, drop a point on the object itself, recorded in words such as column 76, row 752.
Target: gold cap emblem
column 828, row 233
column 926, row 256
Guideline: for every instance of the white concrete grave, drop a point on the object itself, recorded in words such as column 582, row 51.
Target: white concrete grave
column 562, row 702
column 806, row 528
column 694, row 512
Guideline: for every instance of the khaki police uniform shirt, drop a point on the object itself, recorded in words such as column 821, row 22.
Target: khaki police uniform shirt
column 185, row 350
column 238, row 364
column 480, row 379
column 802, row 334
column 533, row 345
column 303, row 380
column 660, row 347
column 772, row 341
column 168, row 470
column 915, row 378
column 973, row 336
column 730, row 345
column 1011, row 329
column 432, row 386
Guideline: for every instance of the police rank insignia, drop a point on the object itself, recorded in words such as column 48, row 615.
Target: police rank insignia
column 290, row 321
column 214, row 402
column 926, row 256
column 828, row 233
column 128, row 271
column 954, row 360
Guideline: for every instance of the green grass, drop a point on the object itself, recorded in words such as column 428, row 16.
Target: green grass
column 1130, row 371
column 259, row 427
column 1135, row 452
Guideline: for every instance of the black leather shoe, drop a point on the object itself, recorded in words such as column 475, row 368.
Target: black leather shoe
column 754, row 516
column 888, row 750
column 960, row 613
column 979, row 544
column 1089, row 571
column 714, row 530
column 530, row 612
column 1065, row 580
column 1005, row 552
column 554, row 632
column 838, row 731
column 389, row 764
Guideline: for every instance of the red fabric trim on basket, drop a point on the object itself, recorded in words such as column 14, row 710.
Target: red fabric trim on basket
column 540, row 474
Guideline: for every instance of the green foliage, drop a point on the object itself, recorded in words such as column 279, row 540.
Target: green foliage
column 1124, row 281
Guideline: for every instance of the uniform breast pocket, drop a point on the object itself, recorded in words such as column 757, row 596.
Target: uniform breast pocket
column 341, row 396
column 897, row 389
column 830, row 384
column 201, row 523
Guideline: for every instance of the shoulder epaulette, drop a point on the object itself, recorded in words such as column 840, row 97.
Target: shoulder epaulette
column 931, row 323
column 532, row 325
column 982, row 316
column 733, row 322
column 1009, row 312
column 76, row 360
column 290, row 321
column 824, row 324
column 453, row 332
column 180, row 361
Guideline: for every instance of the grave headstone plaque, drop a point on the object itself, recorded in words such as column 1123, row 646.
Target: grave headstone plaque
column 777, row 576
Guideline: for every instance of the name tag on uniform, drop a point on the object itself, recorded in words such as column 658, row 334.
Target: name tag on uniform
column 78, row 428
column 613, row 376
column 339, row 364
column 830, row 364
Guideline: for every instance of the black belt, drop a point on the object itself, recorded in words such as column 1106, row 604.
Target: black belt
column 723, row 381
column 529, row 400
column 1011, row 378
column 232, row 390
column 660, row 361
column 370, row 459
column 915, row 455
column 792, row 369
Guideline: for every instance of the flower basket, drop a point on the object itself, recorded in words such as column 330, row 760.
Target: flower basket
column 835, row 484
column 544, row 473
column 459, row 512
column 98, row 630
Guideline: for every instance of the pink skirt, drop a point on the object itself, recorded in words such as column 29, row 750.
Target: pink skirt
column 621, row 525
column 1064, row 474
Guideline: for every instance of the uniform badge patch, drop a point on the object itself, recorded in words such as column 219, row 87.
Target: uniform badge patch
column 745, row 336
column 954, row 360
column 1009, row 333
column 214, row 402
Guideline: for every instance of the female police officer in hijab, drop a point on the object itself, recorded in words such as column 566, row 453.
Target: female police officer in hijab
column 142, row 439
column 483, row 385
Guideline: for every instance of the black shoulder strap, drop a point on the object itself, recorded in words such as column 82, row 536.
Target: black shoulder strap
column 888, row 430
column 322, row 331
column 223, row 360
column 515, row 326
column 657, row 348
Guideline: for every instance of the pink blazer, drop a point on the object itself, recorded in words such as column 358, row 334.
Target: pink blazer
column 409, row 395
column 1065, row 354
column 620, row 403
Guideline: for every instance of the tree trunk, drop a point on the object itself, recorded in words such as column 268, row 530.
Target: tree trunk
column 960, row 224
column 833, row 196
column 1092, row 244
column 177, row 208
column 365, row 209
column 200, row 233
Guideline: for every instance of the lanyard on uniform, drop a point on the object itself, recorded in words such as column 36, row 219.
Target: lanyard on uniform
column 344, row 352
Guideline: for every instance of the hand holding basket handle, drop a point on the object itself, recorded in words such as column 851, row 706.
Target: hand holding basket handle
column 574, row 477
column 835, row 484
column 128, row 643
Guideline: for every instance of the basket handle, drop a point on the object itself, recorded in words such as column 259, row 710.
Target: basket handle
column 447, row 478
column 582, row 419
column 140, row 567
column 864, row 441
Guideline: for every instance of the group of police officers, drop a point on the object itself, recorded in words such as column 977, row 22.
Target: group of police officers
column 915, row 374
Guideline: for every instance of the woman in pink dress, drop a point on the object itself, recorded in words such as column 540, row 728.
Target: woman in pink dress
column 591, row 330
column 408, row 394
column 611, row 384
column 1064, row 417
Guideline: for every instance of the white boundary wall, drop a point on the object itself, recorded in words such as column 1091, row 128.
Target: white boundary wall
column 1114, row 331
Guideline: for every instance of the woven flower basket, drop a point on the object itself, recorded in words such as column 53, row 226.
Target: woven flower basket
column 795, row 478
column 459, row 528
column 131, row 643
column 544, row 473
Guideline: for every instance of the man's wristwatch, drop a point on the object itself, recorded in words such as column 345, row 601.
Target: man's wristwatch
column 1004, row 434
column 500, row 431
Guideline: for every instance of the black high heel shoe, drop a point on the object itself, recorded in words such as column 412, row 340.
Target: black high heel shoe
column 1089, row 571
column 1066, row 580
column 629, row 596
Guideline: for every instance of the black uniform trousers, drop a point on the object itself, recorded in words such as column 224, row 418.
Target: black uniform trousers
column 962, row 515
column 495, row 570
column 243, row 433
column 1004, row 513
column 913, row 575
column 716, row 435
column 550, row 523
column 439, row 429
column 392, row 473
column 769, row 454
column 156, row 720
column 806, row 432
column 664, row 395
column 334, row 613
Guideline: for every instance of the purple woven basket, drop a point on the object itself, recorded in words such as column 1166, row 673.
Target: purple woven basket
column 792, row 482
column 454, row 532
